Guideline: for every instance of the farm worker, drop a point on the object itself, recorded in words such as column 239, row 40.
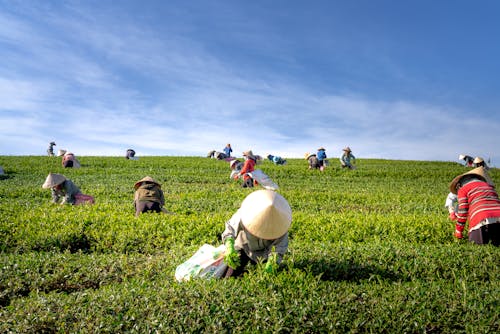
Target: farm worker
column 277, row 160
column 248, row 167
column 312, row 160
column 50, row 150
column 467, row 159
column 130, row 154
column 258, row 231
column 478, row 162
column 148, row 196
column 347, row 159
column 69, row 160
column 321, row 155
column 451, row 204
column 235, row 165
column 64, row 188
column 228, row 150
column 479, row 204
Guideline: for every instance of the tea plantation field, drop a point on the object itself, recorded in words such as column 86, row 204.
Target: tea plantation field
column 371, row 251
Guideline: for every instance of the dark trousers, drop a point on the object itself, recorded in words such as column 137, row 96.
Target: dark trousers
column 486, row 234
column 146, row 206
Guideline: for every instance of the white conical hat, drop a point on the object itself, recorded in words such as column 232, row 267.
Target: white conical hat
column 479, row 171
column 266, row 214
column 53, row 180
column 478, row 160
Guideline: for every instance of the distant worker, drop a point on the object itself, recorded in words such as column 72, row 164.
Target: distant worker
column 69, row 160
column 479, row 162
column 347, row 159
column 321, row 155
column 312, row 160
column 248, row 167
column 277, row 160
column 258, row 231
column 217, row 155
column 478, row 204
column 451, row 204
column 50, row 150
column 148, row 196
column 130, row 154
column 235, row 165
column 228, row 150
column 64, row 188
column 469, row 161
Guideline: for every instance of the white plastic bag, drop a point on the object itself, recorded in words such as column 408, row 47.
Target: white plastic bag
column 264, row 180
column 207, row 262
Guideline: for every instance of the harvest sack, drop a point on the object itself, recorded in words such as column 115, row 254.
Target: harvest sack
column 264, row 180
column 207, row 262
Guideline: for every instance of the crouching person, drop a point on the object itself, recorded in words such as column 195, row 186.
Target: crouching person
column 479, row 204
column 65, row 190
column 258, row 231
column 148, row 196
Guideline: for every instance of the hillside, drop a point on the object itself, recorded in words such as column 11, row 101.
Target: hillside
column 371, row 250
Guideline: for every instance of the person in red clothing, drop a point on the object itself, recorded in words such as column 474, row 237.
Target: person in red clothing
column 478, row 203
column 248, row 167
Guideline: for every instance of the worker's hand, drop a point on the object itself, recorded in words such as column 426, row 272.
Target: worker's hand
column 458, row 234
column 232, row 258
column 452, row 215
column 271, row 264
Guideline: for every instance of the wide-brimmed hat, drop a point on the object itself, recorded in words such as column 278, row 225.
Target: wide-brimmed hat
column 478, row 160
column 60, row 153
column 321, row 148
column 347, row 149
column 146, row 179
column 308, row 155
column 266, row 214
column 479, row 171
column 52, row 143
column 461, row 157
column 53, row 180
column 233, row 162
column 249, row 154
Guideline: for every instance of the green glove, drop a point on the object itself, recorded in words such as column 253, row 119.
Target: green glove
column 271, row 264
column 232, row 258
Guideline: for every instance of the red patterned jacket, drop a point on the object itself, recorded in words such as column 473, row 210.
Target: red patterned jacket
column 477, row 200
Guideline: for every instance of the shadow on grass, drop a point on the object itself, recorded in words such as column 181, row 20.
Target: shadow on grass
column 346, row 271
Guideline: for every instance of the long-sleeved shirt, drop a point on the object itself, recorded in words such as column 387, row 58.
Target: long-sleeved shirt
column 149, row 192
column 254, row 247
column 477, row 200
column 248, row 167
column 345, row 159
column 67, row 191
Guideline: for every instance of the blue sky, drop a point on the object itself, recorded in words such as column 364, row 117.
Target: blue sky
column 413, row 80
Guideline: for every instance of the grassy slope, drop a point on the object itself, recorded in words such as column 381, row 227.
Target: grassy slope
column 371, row 250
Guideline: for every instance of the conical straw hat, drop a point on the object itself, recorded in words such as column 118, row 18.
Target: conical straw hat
column 266, row 214
column 53, row 180
column 145, row 179
column 479, row 171
column 478, row 160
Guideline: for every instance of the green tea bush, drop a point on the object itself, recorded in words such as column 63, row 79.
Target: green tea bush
column 371, row 251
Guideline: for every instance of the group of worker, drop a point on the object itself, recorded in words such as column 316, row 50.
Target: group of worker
column 319, row 160
column 258, row 230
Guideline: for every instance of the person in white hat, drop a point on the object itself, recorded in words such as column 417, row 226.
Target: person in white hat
column 478, row 162
column 248, row 167
column 50, row 150
column 347, row 159
column 65, row 189
column 235, row 165
column 321, row 155
column 312, row 160
column 468, row 160
column 148, row 196
column 479, row 204
column 69, row 160
column 258, row 231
